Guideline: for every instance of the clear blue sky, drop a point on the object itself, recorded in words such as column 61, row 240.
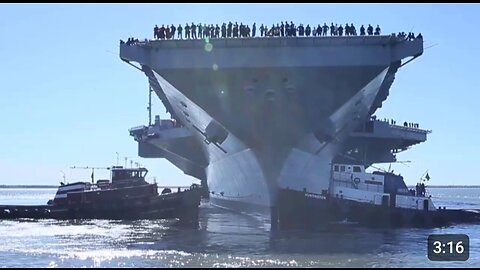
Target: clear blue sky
column 67, row 99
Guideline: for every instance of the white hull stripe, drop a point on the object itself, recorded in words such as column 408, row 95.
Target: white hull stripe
column 60, row 196
column 75, row 187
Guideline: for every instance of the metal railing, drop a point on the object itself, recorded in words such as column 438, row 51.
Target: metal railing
column 419, row 130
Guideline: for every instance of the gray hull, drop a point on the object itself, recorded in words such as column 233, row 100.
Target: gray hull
column 281, row 150
column 267, row 113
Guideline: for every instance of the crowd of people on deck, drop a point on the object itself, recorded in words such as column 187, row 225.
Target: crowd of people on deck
column 394, row 122
column 283, row 29
column 410, row 125
column 235, row 30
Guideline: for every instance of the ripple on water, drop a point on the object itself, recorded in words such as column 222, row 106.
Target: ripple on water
column 222, row 239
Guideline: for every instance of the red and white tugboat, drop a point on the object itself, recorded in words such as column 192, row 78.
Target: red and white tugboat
column 125, row 196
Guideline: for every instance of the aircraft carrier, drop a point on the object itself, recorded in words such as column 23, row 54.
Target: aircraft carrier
column 252, row 116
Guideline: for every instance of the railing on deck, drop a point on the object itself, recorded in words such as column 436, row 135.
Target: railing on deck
column 419, row 130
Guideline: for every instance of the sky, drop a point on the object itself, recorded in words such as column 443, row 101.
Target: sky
column 66, row 98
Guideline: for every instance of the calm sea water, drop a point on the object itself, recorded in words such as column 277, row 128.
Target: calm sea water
column 223, row 239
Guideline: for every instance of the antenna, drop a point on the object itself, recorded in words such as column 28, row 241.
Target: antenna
column 108, row 51
column 63, row 176
column 403, row 162
column 378, row 168
column 117, row 157
column 430, row 46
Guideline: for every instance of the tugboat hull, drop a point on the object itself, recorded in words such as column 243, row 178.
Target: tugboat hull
column 313, row 211
column 182, row 205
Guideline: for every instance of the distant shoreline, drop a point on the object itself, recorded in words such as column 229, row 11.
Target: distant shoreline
column 28, row 186
column 53, row 186
column 449, row 186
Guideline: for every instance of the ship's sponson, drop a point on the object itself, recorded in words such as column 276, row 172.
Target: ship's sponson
column 272, row 52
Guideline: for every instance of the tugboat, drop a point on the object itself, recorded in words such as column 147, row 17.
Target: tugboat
column 125, row 196
column 355, row 197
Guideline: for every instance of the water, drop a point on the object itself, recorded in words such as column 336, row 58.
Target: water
column 223, row 239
